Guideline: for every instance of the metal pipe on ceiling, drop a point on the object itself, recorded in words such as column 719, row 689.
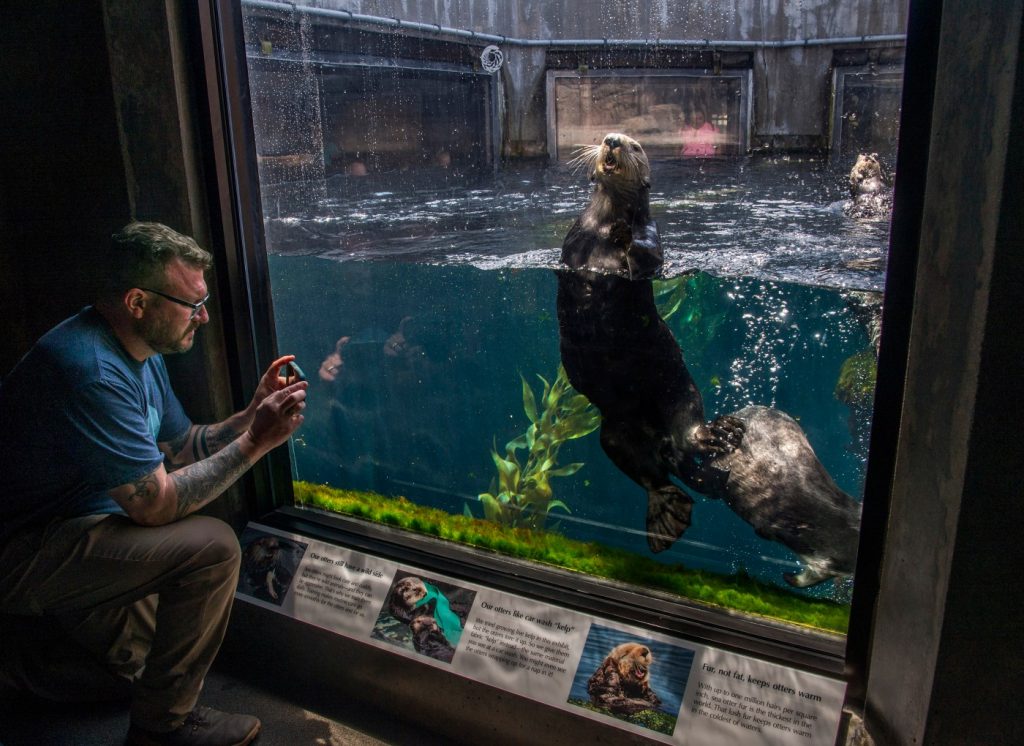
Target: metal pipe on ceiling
column 437, row 29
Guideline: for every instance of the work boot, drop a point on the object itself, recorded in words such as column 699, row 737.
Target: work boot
column 204, row 726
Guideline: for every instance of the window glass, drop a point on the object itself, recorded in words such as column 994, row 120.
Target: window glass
column 687, row 413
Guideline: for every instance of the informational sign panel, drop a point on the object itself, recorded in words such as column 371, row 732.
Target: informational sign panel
column 667, row 689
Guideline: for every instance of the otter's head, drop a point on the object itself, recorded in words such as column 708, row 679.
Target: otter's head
column 866, row 176
column 406, row 593
column 633, row 661
column 425, row 624
column 618, row 163
column 262, row 552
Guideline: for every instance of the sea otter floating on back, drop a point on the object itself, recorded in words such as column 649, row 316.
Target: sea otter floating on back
column 870, row 194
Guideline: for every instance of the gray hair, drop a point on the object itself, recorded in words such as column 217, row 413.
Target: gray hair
column 140, row 252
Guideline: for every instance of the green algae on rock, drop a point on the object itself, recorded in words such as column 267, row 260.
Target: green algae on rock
column 738, row 592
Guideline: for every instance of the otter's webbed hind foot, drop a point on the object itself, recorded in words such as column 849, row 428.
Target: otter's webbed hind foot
column 813, row 572
column 668, row 516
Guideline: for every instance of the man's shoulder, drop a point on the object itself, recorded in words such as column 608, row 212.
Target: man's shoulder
column 79, row 351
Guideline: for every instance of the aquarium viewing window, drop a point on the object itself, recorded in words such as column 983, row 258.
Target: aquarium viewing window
column 418, row 280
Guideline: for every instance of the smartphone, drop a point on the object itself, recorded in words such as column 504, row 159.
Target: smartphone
column 292, row 373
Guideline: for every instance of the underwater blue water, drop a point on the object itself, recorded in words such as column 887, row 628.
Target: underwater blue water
column 445, row 292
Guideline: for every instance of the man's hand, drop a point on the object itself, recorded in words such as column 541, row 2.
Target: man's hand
column 202, row 441
column 332, row 364
column 211, row 457
column 279, row 414
column 271, row 381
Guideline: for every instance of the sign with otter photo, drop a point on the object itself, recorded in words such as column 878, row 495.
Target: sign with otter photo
column 312, row 581
column 666, row 689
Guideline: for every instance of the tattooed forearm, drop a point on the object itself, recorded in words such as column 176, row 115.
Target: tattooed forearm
column 210, row 439
column 197, row 443
column 144, row 489
column 176, row 446
column 201, row 482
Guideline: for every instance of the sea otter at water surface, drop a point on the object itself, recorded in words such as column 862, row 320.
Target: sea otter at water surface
column 870, row 195
column 619, row 353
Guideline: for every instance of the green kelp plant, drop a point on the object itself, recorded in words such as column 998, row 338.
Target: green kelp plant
column 521, row 496
column 856, row 389
column 697, row 295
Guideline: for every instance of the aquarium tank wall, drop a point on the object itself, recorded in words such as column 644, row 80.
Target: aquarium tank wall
column 418, row 174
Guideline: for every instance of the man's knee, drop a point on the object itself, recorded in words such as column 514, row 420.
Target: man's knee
column 212, row 541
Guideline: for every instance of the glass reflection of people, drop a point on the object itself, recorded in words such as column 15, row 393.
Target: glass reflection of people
column 101, row 472
column 699, row 136
column 383, row 397
column 331, row 366
column 395, row 346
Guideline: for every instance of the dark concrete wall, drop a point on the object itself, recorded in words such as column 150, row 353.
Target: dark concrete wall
column 793, row 85
column 62, row 184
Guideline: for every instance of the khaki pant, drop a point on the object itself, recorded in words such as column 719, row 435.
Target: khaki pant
column 148, row 605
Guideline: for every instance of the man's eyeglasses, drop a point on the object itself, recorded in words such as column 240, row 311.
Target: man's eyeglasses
column 196, row 307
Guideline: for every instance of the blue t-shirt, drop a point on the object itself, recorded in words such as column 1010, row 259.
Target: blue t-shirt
column 78, row 417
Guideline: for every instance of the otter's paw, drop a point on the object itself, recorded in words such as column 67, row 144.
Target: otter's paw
column 620, row 233
column 720, row 436
column 668, row 516
column 814, row 571
column 729, row 430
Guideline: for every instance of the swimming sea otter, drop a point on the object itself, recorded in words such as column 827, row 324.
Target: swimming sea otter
column 619, row 353
column 776, row 483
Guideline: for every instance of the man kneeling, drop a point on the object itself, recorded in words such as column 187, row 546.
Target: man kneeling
column 100, row 473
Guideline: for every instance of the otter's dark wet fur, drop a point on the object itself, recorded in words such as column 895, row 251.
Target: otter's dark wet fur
column 428, row 639
column 870, row 195
column 619, row 353
column 427, row 636
column 777, row 485
column 622, row 683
